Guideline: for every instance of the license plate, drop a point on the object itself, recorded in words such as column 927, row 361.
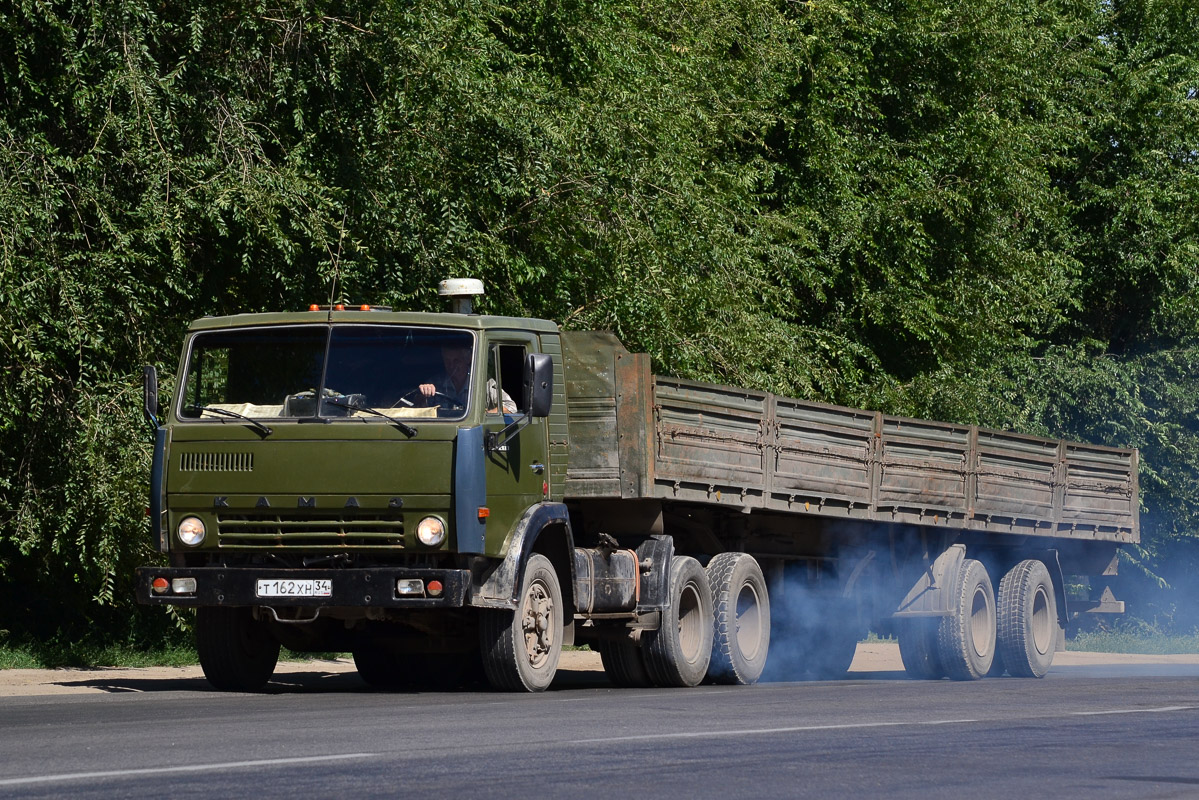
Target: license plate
column 295, row 588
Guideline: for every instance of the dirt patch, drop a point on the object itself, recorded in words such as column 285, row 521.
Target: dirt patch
column 578, row 666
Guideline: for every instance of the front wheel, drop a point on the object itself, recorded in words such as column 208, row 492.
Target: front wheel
column 678, row 653
column 237, row 652
column 521, row 648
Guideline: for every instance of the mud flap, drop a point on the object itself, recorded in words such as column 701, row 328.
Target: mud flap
column 928, row 597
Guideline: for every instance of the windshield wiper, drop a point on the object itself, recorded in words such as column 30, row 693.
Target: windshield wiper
column 261, row 429
column 405, row 429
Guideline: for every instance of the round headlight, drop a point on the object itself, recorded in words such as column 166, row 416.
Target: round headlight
column 431, row 531
column 191, row 531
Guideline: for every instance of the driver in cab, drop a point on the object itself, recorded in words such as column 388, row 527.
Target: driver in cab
column 454, row 384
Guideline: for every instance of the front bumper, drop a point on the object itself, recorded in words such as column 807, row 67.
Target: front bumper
column 373, row 587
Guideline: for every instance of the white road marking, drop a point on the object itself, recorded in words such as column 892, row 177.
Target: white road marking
column 861, row 725
column 1162, row 710
column 767, row 731
column 127, row 773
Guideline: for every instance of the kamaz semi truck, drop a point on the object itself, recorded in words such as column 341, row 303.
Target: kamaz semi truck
column 452, row 495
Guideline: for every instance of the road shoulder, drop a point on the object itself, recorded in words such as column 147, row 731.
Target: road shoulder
column 877, row 659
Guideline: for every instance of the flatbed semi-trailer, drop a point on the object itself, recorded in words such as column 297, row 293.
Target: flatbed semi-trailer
column 440, row 492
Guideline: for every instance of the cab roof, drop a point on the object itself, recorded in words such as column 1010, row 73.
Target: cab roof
column 374, row 317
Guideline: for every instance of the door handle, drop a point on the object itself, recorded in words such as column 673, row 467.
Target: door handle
column 537, row 468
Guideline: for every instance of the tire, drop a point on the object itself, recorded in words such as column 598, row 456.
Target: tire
column 741, row 619
column 678, row 653
column 966, row 637
column 997, row 670
column 624, row 664
column 237, row 652
column 521, row 647
column 918, row 649
column 378, row 667
column 384, row 668
column 1027, row 620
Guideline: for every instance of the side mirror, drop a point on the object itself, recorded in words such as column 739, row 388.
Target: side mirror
column 150, row 393
column 539, row 384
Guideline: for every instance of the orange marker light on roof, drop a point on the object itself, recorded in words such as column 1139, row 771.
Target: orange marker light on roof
column 364, row 307
column 339, row 307
column 314, row 307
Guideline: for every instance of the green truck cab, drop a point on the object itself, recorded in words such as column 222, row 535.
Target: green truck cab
column 307, row 491
column 452, row 495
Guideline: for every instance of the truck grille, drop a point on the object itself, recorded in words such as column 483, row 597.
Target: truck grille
column 297, row 531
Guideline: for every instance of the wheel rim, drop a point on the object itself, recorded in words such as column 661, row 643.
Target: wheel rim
column 537, row 623
column 691, row 622
column 1041, row 622
column 749, row 622
column 981, row 622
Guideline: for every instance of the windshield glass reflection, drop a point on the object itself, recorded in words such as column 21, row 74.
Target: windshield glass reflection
column 362, row 372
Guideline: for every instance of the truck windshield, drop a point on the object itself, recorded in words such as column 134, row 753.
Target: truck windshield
column 360, row 372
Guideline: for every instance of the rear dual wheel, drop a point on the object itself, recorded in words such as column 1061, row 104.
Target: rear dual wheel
column 679, row 651
column 960, row 645
column 725, row 605
column 741, row 619
column 918, row 648
column 1027, row 620
column 966, row 637
column 624, row 663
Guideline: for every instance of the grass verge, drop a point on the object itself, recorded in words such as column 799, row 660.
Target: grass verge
column 119, row 656
column 53, row 656
column 1130, row 642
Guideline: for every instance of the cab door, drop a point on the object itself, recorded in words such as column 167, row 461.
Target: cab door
column 516, row 472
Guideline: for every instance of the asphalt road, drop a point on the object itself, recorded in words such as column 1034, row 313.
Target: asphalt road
column 1080, row 732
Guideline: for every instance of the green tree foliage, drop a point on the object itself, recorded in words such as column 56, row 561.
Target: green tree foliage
column 973, row 211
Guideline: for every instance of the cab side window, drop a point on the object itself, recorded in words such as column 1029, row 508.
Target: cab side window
column 505, row 378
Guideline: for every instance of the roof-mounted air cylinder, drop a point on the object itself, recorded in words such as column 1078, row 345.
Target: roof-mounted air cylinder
column 460, row 291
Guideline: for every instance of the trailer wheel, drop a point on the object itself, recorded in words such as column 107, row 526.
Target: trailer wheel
column 966, row 638
column 741, row 611
column 918, row 649
column 1027, row 620
column 237, row 652
column 521, row 648
column 624, row 663
column 678, row 653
